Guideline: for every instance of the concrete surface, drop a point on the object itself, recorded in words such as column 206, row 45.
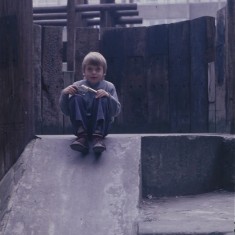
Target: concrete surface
column 62, row 192
column 53, row 190
column 210, row 213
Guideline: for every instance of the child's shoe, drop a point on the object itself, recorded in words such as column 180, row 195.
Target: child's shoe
column 81, row 144
column 98, row 143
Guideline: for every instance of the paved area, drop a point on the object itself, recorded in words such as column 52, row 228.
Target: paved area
column 62, row 192
column 209, row 213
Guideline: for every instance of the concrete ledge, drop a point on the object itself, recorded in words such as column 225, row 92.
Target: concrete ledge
column 186, row 164
column 228, row 158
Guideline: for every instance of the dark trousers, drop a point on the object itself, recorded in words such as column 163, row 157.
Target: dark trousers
column 97, row 120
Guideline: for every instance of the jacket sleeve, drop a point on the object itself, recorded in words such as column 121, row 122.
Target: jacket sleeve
column 64, row 103
column 114, row 104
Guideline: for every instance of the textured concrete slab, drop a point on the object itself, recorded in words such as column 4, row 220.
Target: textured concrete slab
column 210, row 213
column 62, row 192
column 52, row 190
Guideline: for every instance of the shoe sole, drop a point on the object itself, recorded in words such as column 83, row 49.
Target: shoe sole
column 79, row 148
column 98, row 149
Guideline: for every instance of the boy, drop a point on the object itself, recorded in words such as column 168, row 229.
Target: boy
column 91, row 113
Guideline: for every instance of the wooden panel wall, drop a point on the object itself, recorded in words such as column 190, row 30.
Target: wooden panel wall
column 16, row 83
column 161, row 76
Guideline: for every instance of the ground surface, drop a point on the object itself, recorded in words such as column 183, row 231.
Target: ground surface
column 53, row 190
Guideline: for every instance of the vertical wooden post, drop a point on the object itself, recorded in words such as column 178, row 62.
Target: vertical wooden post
column 106, row 16
column 79, row 22
column 70, row 34
column 16, row 89
column 230, row 71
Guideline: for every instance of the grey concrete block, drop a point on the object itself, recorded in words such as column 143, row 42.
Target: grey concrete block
column 180, row 164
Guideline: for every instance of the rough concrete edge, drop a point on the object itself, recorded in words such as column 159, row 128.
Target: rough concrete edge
column 10, row 183
column 228, row 147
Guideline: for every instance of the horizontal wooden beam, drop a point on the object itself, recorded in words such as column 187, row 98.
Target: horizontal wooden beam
column 51, row 22
column 127, row 13
column 86, row 7
column 106, row 6
column 54, row 16
column 90, row 22
column 85, row 15
column 54, row 9
column 130, row 20
column 120, row 21
column 91, row 14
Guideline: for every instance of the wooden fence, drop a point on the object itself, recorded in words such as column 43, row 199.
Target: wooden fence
column 164, row 75
column 16, row 89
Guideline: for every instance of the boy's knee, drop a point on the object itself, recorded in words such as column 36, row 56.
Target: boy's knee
column 75, row 99
column 104, row 100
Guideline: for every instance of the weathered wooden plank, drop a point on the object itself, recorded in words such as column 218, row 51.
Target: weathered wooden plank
column 68, row 78
column 220, row 68
column 71, row 26
column 52, row 80
column 199, row 75
column 157, row 78
column 87, row 39
column 179, row 76
column 134, row 86
column 230, row 71
column 16, row 119
column 107, row 17
column 211, row 98
column 111, row 46
column 37, row 39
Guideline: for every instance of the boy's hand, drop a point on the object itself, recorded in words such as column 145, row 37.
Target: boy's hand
column 101, row 93
column 72, row 90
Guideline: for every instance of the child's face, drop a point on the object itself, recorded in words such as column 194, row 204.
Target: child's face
column 94, row 73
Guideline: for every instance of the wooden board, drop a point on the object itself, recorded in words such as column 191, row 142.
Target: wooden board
column 157, row 78
column 52, row 80
column 179, row 76
column 16, row 83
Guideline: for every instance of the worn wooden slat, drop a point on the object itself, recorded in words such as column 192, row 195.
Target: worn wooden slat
column 199, row 75
column 220, row 67
column 134, row 86
column 16, row 84
column 211, row 98
column 157, row 78
column 37, row 39
column 179, row 76
column 111, row 46
column 71, row 34
column 230, row 70
column 52, row 80
column 68, row 78
column 87, row 39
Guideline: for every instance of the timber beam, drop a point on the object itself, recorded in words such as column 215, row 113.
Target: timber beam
column 86, row 7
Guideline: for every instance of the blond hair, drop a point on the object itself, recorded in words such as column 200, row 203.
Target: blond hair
column 94, row 58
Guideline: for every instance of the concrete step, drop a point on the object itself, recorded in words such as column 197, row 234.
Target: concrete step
column 57, row 191
column 210, row 213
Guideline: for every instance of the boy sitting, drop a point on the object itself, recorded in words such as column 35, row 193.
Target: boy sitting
column 91, row 113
